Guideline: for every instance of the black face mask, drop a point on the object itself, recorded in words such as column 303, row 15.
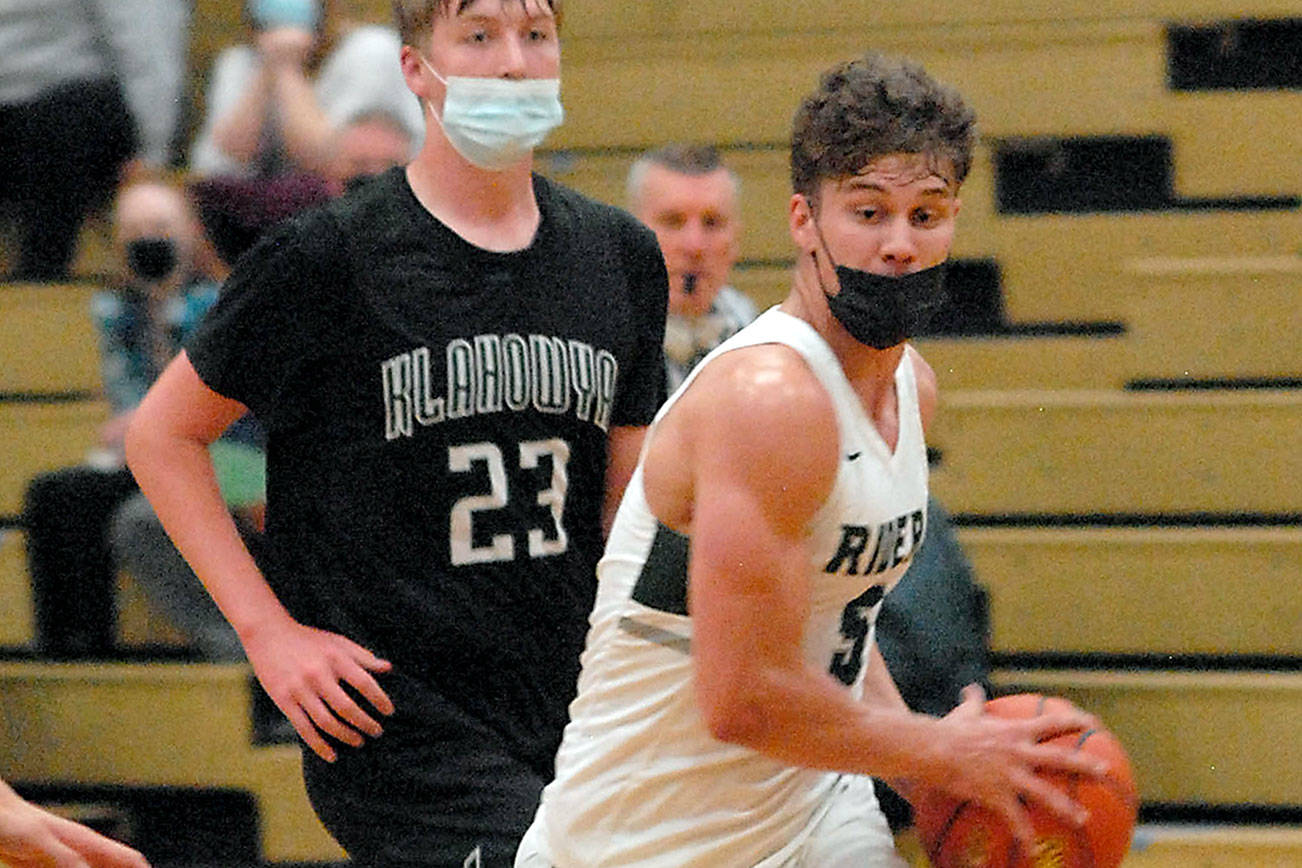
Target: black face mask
column 151, row 259
column 882, row 311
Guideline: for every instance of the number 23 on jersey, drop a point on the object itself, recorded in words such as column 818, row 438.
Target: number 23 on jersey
column 480, row 457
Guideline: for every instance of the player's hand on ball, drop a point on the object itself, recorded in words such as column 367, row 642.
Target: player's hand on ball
column 303, row 670
column 993, row 761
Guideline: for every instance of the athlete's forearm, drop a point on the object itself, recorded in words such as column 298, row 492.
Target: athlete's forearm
column 177, row 476
column 806, row 718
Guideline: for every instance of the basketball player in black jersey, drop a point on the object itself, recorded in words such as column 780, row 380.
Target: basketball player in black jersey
column 454, row 364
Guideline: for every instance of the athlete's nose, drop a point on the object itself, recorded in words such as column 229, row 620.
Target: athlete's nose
column 513, row 63
column 898, row 248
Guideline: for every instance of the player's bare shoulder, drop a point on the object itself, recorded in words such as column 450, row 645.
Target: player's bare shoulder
column 755, row 416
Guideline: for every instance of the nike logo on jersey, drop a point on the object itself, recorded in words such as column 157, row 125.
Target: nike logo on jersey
column 853, row 456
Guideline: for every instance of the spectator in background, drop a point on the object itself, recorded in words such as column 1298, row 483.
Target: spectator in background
column 277, row 104
column 369, row 143
column 33, row 838
column 313, row 92
column 689, row 199
column 67, row 512
column 933, row 632
column 87, row 88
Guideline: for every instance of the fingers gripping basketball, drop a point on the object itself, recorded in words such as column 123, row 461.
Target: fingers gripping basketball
column 961, row 834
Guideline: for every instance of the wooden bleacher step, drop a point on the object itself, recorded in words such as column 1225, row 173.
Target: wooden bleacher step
column 49, row 342
column 1067, row 452
column 156, row 725
column 1050, row 262
column 1223, row 591
column 41, row 436
column 1215, row 846
column 1194, row 738
column 16, row 623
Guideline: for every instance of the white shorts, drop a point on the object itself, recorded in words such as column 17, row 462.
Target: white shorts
column 850, row 832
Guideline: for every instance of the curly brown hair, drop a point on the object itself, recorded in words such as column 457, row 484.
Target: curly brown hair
column 415, row 18
column 873, row 106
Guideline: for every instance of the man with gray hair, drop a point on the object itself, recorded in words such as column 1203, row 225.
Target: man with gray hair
column 689, row 199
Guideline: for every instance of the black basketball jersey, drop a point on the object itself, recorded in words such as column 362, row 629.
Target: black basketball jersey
column 437, row 418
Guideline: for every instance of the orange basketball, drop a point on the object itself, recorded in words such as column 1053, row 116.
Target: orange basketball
column 963, row 835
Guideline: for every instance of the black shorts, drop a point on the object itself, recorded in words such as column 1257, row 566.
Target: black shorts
column 434, row 790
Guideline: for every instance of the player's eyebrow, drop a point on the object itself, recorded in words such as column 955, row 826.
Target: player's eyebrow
column 938, row 186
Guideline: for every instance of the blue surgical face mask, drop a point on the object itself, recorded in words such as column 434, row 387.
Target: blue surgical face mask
column 497, row 122
column 269, row 14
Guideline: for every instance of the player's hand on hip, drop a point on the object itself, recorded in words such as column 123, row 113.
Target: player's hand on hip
column 303, row 670
column 994, row 761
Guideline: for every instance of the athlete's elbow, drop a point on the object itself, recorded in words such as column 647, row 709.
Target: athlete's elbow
column 736, row 716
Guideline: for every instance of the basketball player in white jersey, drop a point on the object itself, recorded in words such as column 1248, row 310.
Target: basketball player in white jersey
column 732, row 701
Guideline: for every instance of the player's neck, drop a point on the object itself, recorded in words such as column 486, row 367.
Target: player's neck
column 869, row 370
column 493, row 210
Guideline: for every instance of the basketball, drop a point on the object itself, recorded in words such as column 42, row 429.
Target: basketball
column 958, row 834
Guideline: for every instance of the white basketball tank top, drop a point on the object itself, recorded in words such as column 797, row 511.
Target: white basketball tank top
column 639, row 779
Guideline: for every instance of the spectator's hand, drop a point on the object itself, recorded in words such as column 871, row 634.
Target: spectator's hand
column 33, row 838
column 302, row 668
column 285, row 47
column 993, row 761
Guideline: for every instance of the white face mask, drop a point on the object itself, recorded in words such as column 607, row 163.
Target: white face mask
column 496, row 122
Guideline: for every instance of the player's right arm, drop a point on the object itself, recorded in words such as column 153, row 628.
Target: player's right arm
column 300, row 667
column 758, row 438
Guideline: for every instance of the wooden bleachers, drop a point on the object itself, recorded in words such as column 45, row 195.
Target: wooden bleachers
column 1142, row 591
column 39, row 436
column 16, row 620
column 1081, row 452
column 1201, row 738
column 1087, row 266
column 49, row 339
column 184, row 725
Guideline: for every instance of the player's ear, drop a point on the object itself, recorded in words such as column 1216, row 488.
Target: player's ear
column 800, row 222
column 414, row 72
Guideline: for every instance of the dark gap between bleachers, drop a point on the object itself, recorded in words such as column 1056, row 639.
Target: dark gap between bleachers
column 1129, row 519
column 66, row 397
column 1175, row 384
column 169, row 825
column 1148, row 662
column 1242, row 814
column 1102, row 174
column 1243, row 54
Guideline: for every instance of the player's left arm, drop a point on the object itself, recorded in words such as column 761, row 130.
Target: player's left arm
column 622, row 448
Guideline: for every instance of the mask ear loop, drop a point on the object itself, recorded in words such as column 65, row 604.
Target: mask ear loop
column 818, row 230
column 443, row 81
